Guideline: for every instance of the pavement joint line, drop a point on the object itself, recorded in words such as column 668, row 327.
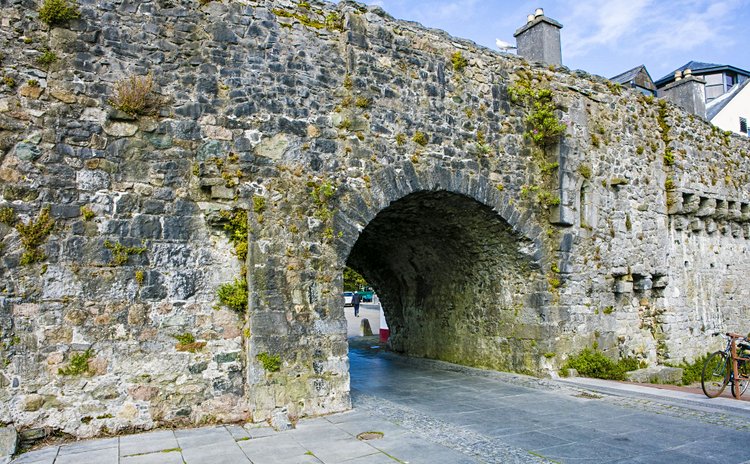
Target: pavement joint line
column 169, row 450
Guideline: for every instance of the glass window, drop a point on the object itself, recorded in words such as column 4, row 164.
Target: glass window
column 731, row 79
column 743, row 125
column 714, row 79
column 714, row 91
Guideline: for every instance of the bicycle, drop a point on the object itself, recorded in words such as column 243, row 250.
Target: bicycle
column 727, row 366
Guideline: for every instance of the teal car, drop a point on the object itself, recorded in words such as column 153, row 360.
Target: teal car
column 366, row 293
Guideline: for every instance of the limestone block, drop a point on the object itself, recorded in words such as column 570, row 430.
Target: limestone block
column 26, row 151
column 94, row 115
column 711, row 226
column 656, row 374
column 745, row 212
column 31, row 91
column 33, row 402
column 643, row 284
column 680, row 222
column 92, row 180
column 120, row 128
column 222, row 192
column 8, row 441
column 691, row 203
column 62, row 95
column 722, row 209
column 273, row 147
column 674, row 202
column 707, row 207
column 562, row 215
column 623, row 286
column 217, row 133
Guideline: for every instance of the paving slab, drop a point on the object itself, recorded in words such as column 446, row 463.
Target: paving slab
column 150, row 442
column 215, row 454
column 276, row 450
column 42, row 456
column 94, row 456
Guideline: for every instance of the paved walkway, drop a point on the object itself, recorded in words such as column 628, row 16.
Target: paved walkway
column 433, row 412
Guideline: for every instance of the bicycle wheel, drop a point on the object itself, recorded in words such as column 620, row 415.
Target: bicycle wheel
column 715, row 374
column 743, row 369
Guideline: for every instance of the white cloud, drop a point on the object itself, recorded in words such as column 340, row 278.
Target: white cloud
column 645, row 26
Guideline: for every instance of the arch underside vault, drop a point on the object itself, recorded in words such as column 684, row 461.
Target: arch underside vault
column 453, row 279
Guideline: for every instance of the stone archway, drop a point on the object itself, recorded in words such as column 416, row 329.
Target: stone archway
column 457, row 266
column 452, row 276
column 467, row 265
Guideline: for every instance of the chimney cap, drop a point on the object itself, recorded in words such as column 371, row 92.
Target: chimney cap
column 533, row 21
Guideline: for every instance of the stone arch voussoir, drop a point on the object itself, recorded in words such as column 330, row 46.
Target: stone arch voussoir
column 357, row 208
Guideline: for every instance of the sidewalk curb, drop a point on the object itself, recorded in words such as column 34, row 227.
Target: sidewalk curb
column 679, row 398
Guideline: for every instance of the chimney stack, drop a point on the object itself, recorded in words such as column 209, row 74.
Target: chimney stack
column 688, row 92
column 539, row 39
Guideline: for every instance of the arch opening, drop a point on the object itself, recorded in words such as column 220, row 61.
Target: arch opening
column 455, row 281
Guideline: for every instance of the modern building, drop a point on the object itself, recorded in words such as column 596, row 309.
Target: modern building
column 726, row 94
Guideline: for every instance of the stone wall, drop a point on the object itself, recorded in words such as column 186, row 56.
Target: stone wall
column 344, row 137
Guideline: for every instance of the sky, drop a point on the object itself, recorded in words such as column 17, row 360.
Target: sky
column 604, row 37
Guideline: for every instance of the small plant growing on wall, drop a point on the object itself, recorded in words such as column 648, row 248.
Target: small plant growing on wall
column 133, row 95
column 544, row 128
column 236, row 226
column 7, row 216
column 458, row 61
column 87, row 213
column 33, row 235
column 46, row 58
column 420, row 138
column 56, row 12
column 270, row 363
column 78, row 365
column 234, row 295
column 121, row 253
column 186, row 342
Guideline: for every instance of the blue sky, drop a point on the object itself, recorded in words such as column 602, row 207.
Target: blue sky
column 603, row 37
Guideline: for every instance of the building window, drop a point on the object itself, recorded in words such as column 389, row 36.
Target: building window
column 743, row 125
column 731, row 79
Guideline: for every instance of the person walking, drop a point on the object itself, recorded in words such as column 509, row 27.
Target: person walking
column 355, row 302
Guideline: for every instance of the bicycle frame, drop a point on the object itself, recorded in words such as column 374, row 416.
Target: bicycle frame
column 732, row 339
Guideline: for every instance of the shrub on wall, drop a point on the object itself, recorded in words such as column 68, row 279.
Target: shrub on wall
column 132, row 95
column 55, row 12
column 234, row 295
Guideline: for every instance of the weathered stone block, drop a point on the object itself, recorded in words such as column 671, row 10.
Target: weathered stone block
column 8, row 442
column 657, row 374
